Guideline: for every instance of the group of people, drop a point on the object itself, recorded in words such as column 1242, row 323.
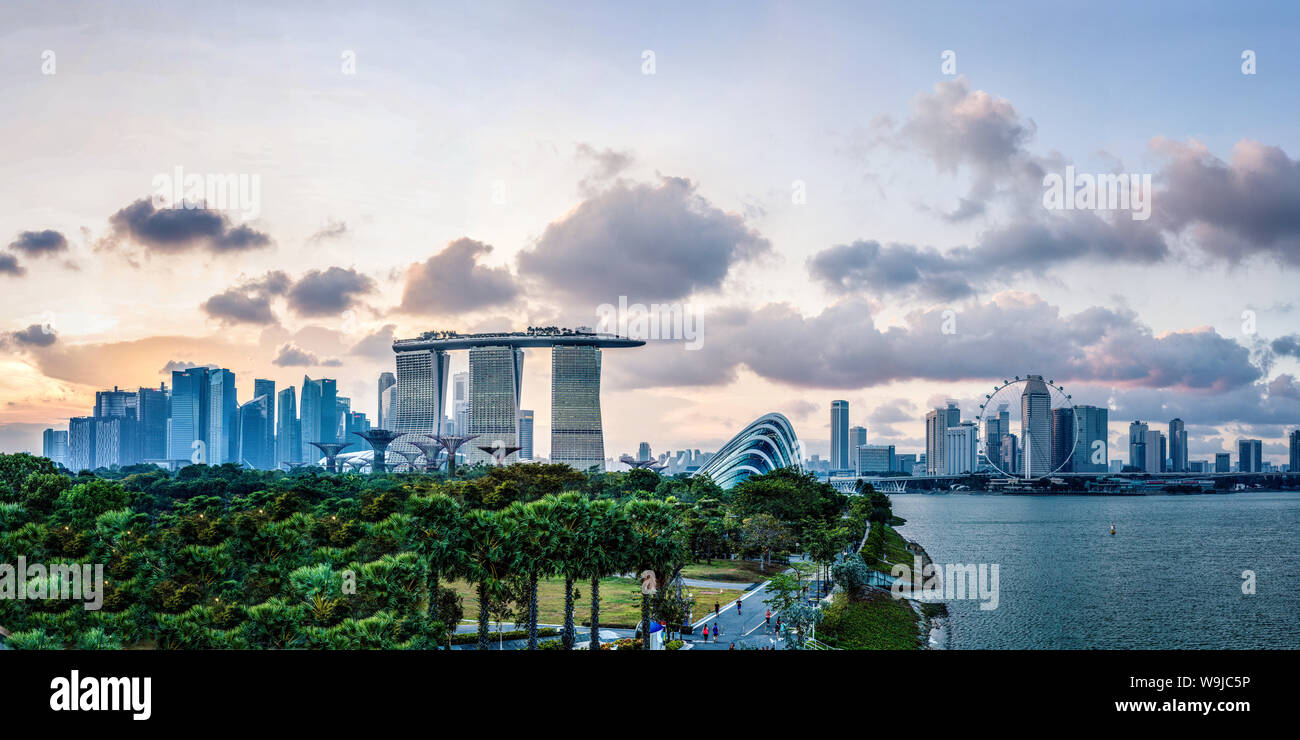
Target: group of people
column 714, row 631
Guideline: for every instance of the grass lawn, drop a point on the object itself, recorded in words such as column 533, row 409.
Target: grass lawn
column 895, row 550
column 620, row 601
column 879, row 622
column 732, row 571
column 705, row 598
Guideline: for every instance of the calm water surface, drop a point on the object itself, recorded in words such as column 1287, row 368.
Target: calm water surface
column 1170, row 578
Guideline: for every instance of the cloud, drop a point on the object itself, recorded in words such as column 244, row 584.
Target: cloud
column 39, row 243
column 331, row 230
column 872, row 267
column 607, row 165
column 291, row 355
column 1247, row 205
column 1288, row 346
column 453, row 280
column 329, row 292
column 377, row 344
column 34, row 336
column 1010, row 334
column 250, row 301
column 9, row 266
column 177, row 366
column 173, row 230
column 647, row 242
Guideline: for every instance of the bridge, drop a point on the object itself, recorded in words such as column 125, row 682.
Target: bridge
column 899, row 484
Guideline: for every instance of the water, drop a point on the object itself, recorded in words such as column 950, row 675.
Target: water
column 1170, row 578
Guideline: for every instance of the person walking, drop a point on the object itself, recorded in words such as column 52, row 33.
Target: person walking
column 716, row 609
column 767, row 620
column 717, row 632
column 739, row 603
column 706, row 633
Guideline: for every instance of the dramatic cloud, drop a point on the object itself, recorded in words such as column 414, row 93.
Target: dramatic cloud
column 39, row 243
column 171, row 230
column 35, row 336
column 841, row 348
column 328, row 293
column 453, row 280
column 1288, row 346
column 869, row 266
column 1248, row 205
column 378, row 344
column 250, row 302
column 643, row 241
column 291, row 355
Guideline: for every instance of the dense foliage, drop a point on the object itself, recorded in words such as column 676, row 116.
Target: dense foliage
column 225, row 557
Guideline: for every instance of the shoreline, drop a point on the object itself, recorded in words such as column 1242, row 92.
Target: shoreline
column 933, row 631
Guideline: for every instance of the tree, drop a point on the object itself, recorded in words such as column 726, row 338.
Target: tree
column 535, row 548
column 790, row 495
column 764, row 534
column 490, row 558
column 658, row 546
column 570, row 518
column 606, row 545
column 439, row 537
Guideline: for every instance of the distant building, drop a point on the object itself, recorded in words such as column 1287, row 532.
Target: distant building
column 1177, row 446
column 875, row 459
column 81, row 443
column 961, row 449
column 936, row 423
column 1222, row 462
column 223, row 415
column 1036, row 427
column 840, row 435
column 1137, row 445
column 460, row 401
column 189, row 414
column 254, row 418
column 288, row 441
column 153, row 407
column 526, row 436
column 1250, row 453
column 857, row 438
column 266, row 388
column 1154, row 447
column 54, row 445
column 1011, row 453
column 386, row 381
column 1293, row 440
column 904, row 463
column 995, row 429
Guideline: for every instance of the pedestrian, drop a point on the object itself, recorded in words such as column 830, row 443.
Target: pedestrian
column 717, row 632
column 733, row 646
column 739, row 604
column 768, row 619
column 706, row 633
column 778, row 624
column 716, row 609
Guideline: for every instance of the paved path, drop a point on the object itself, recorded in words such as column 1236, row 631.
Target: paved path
column 717, row 585
column 745, row 621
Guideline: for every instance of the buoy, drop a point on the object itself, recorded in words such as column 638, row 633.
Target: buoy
column 1112, row 529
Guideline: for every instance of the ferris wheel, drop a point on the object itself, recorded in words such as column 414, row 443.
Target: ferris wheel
column 1028, row 452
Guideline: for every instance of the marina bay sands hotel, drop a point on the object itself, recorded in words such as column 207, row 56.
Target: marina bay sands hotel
column 496, row 363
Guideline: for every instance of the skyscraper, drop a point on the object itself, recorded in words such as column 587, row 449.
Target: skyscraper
column 460, row 400
column 577, row 436
column 1092, row 454
column 386, row 381
column 288, row 442
column 857, row 438
column 223, row 417
column 254, row 418
column 266, row 388
column 1036, row 427
column 115, row 403
column 526, row 434
column 1293, row 440
column 1137, row 445
column 961, row 449
column 1250, row 454
column 643, row 451
column 873, row 459
column 319, row 415
column 54, row 445
column 840, row 436
column 421, row 390
column 1154, row 446
column 936, row 423
column 1064, row 433
column 189, row 415
column 995, row 428
column 152, row 410
column 1222, row 462
column 1177, row 446
column 81, row 443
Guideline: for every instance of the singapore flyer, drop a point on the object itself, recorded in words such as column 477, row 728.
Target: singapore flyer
column 1020, row 425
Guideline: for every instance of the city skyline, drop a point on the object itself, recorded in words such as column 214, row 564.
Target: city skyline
column 826, row 249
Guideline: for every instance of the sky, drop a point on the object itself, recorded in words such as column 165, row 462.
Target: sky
column 848, row 195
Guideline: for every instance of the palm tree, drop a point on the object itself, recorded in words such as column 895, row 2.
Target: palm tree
column 531, row 524
column 658, row 546
column 570, row 519
column 604, row 548
column 490, row 558
column 439, row 537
